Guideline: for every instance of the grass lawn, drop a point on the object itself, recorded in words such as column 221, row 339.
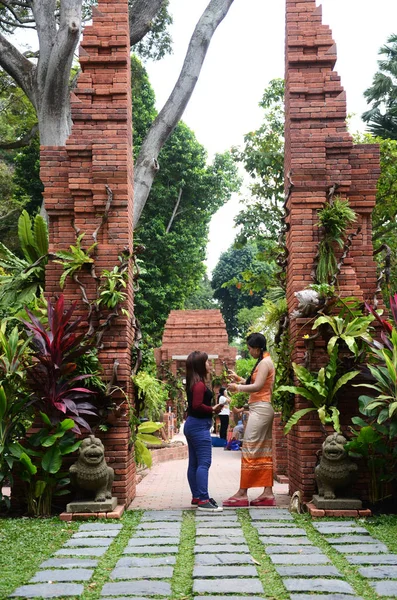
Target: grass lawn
column 26, row 543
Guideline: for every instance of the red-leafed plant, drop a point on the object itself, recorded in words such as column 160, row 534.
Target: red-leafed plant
column 53, row 379
column 386, row 326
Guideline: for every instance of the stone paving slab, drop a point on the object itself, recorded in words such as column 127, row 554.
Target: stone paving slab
column 318, row 585
column 149, row 533
column 292, row 550
column 142, row 573
column 100, row 526
column 361, row 548
column 209, row 524
column 384, row 572
column 352, row 539
column 274, row 524
column 62, row 575
column 88, row 542
column 299, row 559
column 214, row 548
column 323, row 597
column 49, row 590
column 217, row 517
column 292, row 531
column 220, row 531
column 270, row 515
column 308, row 571
column 68, row 563
column 220, row 540
column 222, row 559
column 162, row 515
column 81, row 551
column 134, row 598
column 134, row 588
column 111, row 533
column 153, row 541
column 151, row 550
column 223, row 571
column 225, row 598
column 385, row 588
column 141, row 561
column 229, row 586
column 278, row 540
column 158, row 525
column 333, row 529
column 338, row 523
column 373, row 559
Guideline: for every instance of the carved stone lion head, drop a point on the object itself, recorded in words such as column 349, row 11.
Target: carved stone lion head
column 91, row 451
column 334, row 447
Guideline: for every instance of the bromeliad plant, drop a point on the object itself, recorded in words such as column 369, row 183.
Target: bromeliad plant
column 74, row 259
column 52, row 379
column 320, row 389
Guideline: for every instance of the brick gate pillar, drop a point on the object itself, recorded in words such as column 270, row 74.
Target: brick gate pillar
column 319, row 154
column 93, row 169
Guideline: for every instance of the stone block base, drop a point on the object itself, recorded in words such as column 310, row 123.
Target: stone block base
column 337, row 503
column 89, row 506
column 76, row 516
column 342, row 513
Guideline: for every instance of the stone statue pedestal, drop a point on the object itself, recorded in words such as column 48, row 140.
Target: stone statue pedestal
column 90, row 506
column 337, row 503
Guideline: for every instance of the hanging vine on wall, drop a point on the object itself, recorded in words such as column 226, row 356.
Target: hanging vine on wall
column 334, row 219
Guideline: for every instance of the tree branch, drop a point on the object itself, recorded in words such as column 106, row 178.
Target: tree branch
column 22, row 142
column 142, row 13
column 174, row 211
column 173, row 109
column 18, row 67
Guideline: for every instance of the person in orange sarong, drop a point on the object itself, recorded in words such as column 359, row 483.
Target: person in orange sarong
column 256, row 459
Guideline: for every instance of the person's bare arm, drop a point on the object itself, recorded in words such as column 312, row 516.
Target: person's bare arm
column 263, row 372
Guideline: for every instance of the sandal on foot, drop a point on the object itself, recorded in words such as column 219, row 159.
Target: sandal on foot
column 263, row 502
column 236, row 502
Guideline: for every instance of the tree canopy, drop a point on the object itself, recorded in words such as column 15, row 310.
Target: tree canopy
column 44, row 76
column 382, row 94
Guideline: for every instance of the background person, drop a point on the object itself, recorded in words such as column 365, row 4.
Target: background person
column 224, row 415
column 256, row 459
column 197, row 430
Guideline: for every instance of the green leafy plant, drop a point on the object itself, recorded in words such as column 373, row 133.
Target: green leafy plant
column 152, row 394
column 23, row 278
column 143, row 435
column 110, row 290
column 74, row 260
column 346, row 329
column 320, row 389
column 40, row 464
column 335, row 217
column 15, row 409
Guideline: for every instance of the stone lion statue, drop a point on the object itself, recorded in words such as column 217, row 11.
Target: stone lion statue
column 90, row 472
column 308, row 303
column 336, row 469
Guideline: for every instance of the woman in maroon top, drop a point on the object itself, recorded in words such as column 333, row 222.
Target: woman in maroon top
column 197, row 430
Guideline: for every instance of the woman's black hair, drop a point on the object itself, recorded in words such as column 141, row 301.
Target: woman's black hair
column 256, row 340
column 221, row 392
column 196, row 368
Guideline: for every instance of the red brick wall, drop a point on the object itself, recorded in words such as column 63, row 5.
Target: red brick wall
column 280, row 449
column 319, row 153
column 97, row 154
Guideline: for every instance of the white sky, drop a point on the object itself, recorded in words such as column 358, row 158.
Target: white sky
column 246, row 52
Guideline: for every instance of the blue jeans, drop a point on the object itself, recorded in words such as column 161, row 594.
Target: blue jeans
column 197, row 432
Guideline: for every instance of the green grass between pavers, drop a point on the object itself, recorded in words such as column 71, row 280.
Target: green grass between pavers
column 182, row 580
column 384, row 528
column 271, row 580
column 349, row 572
column 25, row 544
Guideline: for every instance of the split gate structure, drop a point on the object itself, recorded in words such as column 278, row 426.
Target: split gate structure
column 319, row 157
column 89, row 189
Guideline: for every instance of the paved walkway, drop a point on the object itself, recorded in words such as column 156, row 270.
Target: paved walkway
column 215, row 555
column 165, row 486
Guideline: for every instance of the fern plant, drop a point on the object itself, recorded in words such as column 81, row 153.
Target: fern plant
column 75, row 259
column 21, row 279
column 152, row 393
column 335, row 217
column 111, row 289
column 320, row 389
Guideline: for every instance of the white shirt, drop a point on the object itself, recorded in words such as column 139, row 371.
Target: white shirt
column 225, row 410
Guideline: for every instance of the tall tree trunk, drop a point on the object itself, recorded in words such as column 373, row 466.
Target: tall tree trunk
column 168, row 117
